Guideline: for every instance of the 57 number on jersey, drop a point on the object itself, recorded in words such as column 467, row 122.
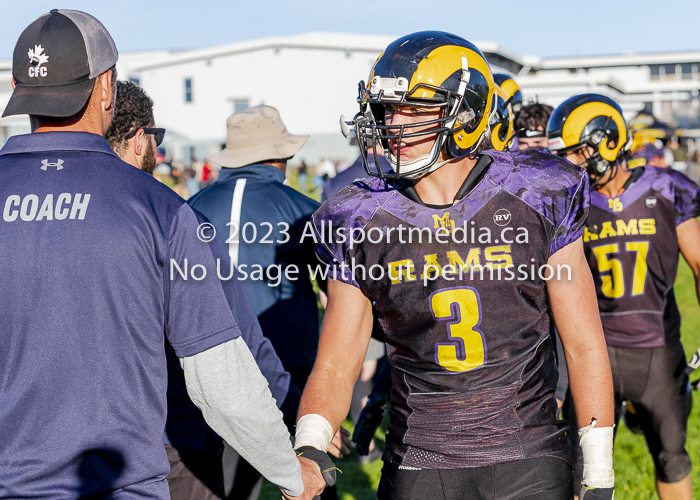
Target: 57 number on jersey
column 614, row 283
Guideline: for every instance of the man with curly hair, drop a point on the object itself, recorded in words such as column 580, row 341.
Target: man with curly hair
column 129, row 134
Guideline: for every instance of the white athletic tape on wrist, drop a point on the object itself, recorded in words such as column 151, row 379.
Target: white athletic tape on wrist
column 597, row 450
column 313, row 430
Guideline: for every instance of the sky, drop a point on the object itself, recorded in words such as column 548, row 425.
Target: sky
column 544, row 28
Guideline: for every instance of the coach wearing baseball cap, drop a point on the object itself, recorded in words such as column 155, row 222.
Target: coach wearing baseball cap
column 89, row 245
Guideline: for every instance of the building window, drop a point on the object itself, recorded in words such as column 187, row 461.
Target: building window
column 654, row 73
column 686, row 71
column 188, row 89
column 670, row 72
column 239, row 105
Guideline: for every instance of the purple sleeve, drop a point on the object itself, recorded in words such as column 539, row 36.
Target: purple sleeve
column 330, row 251
column 686, row 199
column 197, row 315
column 570, row 227
column 331, row 232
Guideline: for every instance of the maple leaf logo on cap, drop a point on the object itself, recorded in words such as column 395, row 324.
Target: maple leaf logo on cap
column 37, row 57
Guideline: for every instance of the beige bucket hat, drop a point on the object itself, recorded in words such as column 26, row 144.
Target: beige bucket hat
column 257, row 134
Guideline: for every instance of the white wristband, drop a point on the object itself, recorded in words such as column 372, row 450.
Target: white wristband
column 313, row 430
column 597, row 450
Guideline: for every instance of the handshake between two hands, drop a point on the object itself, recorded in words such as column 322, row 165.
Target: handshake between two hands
column 317, row 469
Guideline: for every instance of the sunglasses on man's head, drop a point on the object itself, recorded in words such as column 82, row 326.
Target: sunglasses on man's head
column 159, row 133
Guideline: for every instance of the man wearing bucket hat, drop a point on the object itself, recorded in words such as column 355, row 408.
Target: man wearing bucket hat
column 194, row 450
column 263, row 222
column 87, row 307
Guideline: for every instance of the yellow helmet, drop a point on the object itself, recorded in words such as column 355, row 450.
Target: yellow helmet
column 511, row 89
column 501, row 122
column 589, row 120
column 429, row 69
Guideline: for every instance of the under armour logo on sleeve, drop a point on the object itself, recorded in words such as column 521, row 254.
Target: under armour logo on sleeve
column 45, row 164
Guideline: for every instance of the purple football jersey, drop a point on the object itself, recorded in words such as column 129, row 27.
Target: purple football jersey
column 631, row 245
column 464, row 310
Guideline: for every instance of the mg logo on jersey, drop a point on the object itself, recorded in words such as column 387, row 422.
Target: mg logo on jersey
column 36, row 59
column 615, row 204
column 444, row 222
column 501, row 217
column 45, row 164
column 650, row 201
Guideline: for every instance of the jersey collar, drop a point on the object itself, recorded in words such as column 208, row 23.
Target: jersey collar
column 257, row 170
column 473, row 177
column 56, row 141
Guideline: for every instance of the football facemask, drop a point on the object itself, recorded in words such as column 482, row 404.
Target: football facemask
column 431, row 70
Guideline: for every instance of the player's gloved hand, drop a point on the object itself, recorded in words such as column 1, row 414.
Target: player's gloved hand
column 324, row 462
column 596, row 493
column 370, row 419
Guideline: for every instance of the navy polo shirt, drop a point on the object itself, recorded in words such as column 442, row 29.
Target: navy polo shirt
column 87, row 300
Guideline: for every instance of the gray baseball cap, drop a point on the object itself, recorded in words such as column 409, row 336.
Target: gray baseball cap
column 56, row 61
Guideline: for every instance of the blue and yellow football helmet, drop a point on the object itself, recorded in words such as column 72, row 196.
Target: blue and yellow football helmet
column 501, row 122
column 428, row 69
column 511, row 89
column 589, row 120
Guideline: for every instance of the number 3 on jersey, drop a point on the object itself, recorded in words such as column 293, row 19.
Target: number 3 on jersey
column 463, row 307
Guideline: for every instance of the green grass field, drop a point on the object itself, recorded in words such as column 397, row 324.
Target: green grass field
column 634, row 469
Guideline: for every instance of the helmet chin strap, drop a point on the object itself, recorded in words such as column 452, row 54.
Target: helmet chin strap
column 596, row 184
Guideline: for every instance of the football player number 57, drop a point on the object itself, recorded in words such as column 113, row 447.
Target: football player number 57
column 613, row 284
column 462, row 307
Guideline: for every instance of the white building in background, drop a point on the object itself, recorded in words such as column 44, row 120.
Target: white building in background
column 312, row 79
column 667, row 84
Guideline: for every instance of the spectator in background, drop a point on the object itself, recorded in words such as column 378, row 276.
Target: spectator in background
column 191, row 184
column 531, row 125
column 680, row 155
column 303, row 177
column 325, row 169
column 250, row 196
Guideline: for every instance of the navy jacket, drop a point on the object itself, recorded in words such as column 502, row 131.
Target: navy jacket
column 264, row 226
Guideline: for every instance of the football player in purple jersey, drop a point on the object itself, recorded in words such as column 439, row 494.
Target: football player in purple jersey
column 639, row 220
column 472, row 358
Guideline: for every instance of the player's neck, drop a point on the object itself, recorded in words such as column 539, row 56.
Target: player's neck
column 441, row 186
column 612, row 188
